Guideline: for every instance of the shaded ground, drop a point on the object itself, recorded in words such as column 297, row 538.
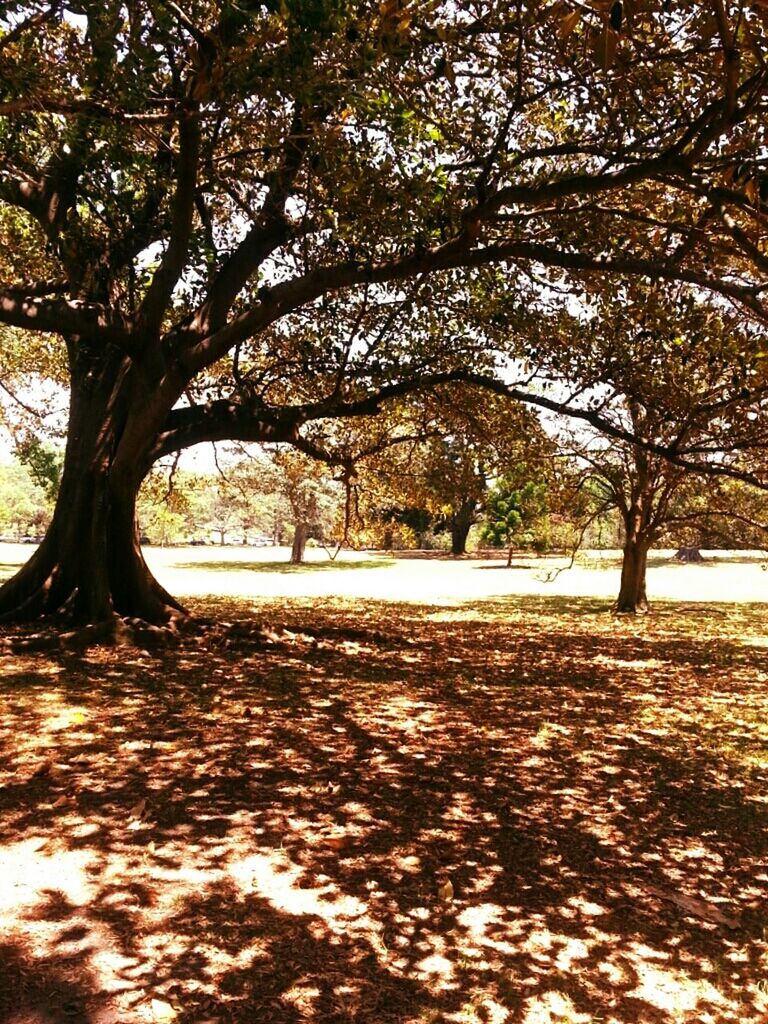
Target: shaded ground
column 262, row 825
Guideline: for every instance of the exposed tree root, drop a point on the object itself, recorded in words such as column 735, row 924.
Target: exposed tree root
column 115, row 631
column 641, row 609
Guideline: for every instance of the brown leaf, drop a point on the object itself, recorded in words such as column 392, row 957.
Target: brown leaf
column 697, row 908
column 568, row 24
column 137, row 811
column 335, row 841
column 445, row 892
column 605, row 47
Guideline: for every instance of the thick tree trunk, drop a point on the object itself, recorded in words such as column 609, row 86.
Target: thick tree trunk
column 299, row 543
column 688, row 554
column 633, row 598
column 461, row 523
column 90, row 563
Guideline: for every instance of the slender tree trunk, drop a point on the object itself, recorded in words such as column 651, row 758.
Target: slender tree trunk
column 633, row 598
column 639, row 533
column 461, row 523
column 299, row 543
column 510, row 549
column 90, row 562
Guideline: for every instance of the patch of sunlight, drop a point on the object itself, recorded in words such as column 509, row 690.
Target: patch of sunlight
column 27, row 873
column 47, row 897
column 672, row 991
column 547, row 734
column 586, row 907
column 436, row 969
column 572, row 951
column 453, row 615
column 538, row 942
column 615, row 974
column 301, row 997
column 638, row 663
column 484, row 925
column 483, row 1010
column 278, row 880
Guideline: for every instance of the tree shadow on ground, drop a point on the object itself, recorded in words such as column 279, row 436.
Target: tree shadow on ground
column 285, row 566
column 263, row 825
column 515, row 565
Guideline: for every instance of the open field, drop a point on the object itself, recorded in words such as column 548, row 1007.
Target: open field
column 401, row 792
column 264, row 573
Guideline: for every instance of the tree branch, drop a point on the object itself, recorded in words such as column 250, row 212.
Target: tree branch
column 79, row 107
column 152, row 309
column 270, row 232
column 34, row 21
column 61, row 316
column 290, row 295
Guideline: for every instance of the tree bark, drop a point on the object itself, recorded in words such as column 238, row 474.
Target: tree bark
column 633, row 597
column 688, row 554
column 299, row 543
column 90, row 563
column 461, row 523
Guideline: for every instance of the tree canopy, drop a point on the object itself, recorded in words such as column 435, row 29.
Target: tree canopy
column 244, row 218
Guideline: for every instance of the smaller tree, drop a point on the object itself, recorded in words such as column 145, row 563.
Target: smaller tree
column 24, row 505
column 514, row 506
column 43, row 461
column 313, row 496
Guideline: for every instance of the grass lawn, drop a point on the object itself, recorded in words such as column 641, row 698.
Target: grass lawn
column 395, row 791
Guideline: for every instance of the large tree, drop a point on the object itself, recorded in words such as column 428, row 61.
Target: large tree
column 187, row 194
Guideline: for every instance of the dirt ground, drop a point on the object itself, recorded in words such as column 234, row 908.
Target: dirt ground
column 430, row 796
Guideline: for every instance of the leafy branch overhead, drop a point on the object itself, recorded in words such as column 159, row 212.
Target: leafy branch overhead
column 242, row 219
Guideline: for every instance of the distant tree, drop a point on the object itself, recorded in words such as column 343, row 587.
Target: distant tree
column 436, row 477
column 43, row 461
column 25, row 507
column 314, row 497
column 166, row 505
column 514, row 506
column 679, row 385
column 712, row 513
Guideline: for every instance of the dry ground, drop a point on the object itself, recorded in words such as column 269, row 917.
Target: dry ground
column 456, row 805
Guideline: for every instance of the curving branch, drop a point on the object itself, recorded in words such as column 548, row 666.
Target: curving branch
column 222, row 420
column 269, row 232
column 288, row 296
column 78, row 107
column 62, row 316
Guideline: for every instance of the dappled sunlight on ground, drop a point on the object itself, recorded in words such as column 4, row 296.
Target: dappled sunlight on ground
column 521, row 810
